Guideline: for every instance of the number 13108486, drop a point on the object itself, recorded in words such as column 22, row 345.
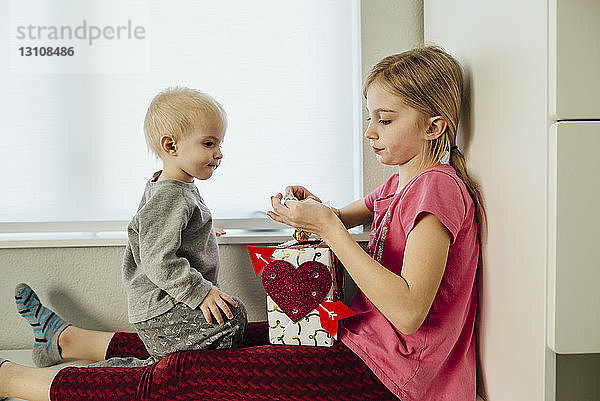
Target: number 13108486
column 46, row 51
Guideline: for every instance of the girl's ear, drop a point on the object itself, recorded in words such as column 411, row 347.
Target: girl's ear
column 436, row 127
column 168, row 145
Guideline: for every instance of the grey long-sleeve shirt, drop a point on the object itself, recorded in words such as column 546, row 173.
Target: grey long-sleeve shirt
column 171, row 254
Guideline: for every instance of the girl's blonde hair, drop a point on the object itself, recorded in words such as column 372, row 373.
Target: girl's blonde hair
column 177, row 112
column 430, row 80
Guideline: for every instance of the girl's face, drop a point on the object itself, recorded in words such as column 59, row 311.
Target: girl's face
column 396, row 131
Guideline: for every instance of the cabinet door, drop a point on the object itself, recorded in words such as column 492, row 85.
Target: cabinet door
column 574, row 59
column 574, row 237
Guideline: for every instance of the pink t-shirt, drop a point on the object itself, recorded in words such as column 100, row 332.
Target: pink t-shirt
column 437, row 362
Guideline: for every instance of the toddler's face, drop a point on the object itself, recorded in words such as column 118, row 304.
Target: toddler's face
column 395, row 129
column 199, row 154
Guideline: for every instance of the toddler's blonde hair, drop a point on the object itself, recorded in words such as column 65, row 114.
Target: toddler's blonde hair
column 430, row 80
column 178, row 111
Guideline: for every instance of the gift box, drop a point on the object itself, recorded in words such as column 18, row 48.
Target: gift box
column 303, row 281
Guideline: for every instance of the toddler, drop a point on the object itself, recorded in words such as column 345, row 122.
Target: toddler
column 171, row 260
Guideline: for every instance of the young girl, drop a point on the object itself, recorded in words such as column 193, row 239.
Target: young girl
column 416, row 306
column 413, row 335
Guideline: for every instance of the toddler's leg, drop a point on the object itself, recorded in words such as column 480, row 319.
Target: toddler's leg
column 126, row 350
column 56, row 339
column 182, row 328
column 236, row 327
column 124, row 362
column 47, row 326
column 78, row 343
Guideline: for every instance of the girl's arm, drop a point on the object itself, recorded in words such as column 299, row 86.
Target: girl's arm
column 403, row 299
column 354, row 214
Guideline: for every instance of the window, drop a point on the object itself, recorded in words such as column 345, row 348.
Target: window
column 74, row 159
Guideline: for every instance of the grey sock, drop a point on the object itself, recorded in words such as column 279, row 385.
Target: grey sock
column 47, row 326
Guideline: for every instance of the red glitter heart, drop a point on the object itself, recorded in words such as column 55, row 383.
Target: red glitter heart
column 296, row 291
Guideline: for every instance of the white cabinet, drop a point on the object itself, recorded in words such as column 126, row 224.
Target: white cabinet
column 574, row 59
column 574, row 176
column 574, row 237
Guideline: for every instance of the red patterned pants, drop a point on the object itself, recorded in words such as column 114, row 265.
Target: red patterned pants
column 255, row 371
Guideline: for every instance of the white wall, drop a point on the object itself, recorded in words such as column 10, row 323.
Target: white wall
column 503, row 45
column 84, row 284
column 388, row 27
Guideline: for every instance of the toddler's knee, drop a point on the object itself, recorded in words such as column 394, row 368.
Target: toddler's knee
column 240, row 316
column 238, row 322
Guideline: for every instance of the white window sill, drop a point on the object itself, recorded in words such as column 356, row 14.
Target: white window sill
column 119, row 238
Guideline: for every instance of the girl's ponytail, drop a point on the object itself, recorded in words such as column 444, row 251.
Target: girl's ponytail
column 459, row 163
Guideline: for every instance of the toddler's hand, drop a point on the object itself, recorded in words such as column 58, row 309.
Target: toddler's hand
column 215, row 303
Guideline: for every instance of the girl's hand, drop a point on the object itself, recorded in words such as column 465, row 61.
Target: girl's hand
column 308, row 215
column 214, row 303
column 301, row 193
column 219, row 231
